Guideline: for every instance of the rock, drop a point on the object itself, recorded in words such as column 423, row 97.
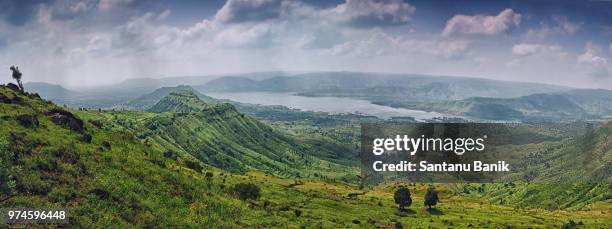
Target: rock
column 13, row 87
column 34, row 95
column 4, row 99
column 106, row 145
column 96, row 123
column 86, row 138
column 65, row 119
column 28, row 121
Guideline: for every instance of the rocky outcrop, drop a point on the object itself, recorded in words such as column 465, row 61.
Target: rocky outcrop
column 65, row 119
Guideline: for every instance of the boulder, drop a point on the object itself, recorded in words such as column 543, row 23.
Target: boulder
column 65, row 119
column 28, row 121
column 13, row 87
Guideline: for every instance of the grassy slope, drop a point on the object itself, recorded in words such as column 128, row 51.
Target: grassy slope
column 219, row 135
column 329, row 205
column 134, row 184
column 567, row 174
column 125, row 184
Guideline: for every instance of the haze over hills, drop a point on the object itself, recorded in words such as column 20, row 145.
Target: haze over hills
column 375, row 85
column 468, row 97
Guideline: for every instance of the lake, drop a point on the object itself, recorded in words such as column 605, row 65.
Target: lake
column 334, row 105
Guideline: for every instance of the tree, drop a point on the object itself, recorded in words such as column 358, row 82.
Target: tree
column 17, row 76
column 431, row 197
column 402, row 197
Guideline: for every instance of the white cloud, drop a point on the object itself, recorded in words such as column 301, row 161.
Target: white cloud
column 163, row 15
column 382, row 44
column 237, row 11
column 593, row 62
column 107, row 5
column 367, row 13
column 504, row 22
column 528, row 49
column 566, row 25
column 241, row 36
column 562, row 26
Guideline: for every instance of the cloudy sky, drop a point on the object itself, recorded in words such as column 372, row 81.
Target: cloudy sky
column 92, row 42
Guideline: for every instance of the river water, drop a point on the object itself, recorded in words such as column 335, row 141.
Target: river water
column 334, row 105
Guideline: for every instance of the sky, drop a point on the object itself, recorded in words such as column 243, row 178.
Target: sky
column 94, row 42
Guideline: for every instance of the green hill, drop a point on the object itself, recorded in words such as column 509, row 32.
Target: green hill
column 568, row 174
column 219, row 135
column 146, row 101
column 102, row 168
column 51, row 158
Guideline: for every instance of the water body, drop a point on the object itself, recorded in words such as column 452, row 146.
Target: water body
column 334, row 105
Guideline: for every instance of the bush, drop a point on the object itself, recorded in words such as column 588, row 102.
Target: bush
column 402, row 197
column 194, row 165
column 246, row 191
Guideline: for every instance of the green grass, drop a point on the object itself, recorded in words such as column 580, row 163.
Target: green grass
column 121, row 179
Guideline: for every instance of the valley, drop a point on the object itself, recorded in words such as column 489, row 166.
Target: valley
column 304, row 161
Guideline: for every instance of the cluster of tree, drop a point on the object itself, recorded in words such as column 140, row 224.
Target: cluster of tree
column 403, row 199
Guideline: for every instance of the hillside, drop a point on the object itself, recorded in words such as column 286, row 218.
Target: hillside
column 569, row 105
column 219, row 135
column 51, row 158
column 570, row 174
column 92, row 165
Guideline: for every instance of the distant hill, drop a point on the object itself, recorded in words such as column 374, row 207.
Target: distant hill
column 48, row 90
column 56, row 93
column 375, row 86
column 568, row 105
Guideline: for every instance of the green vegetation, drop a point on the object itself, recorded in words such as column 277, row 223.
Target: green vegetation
column 157, row 169
column 218, row 135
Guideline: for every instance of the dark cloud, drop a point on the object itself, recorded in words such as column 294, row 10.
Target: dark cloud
column 238, row 11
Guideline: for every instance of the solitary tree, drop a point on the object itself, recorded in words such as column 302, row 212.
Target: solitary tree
column 431, row 198
column 17, row 76
column 402, row 197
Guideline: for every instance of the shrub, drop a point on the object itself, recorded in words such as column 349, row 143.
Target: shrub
column 194, row 165
column 246, row 191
